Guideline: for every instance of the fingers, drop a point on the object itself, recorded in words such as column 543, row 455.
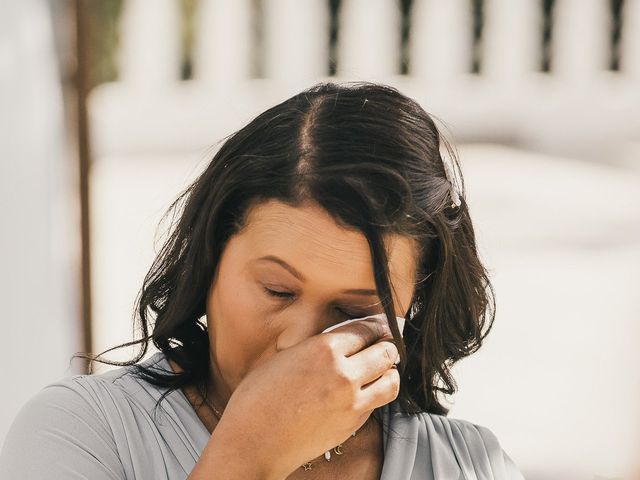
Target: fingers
column 352, row 338
column 370, row 363
column 383, row 390
column 370, row 359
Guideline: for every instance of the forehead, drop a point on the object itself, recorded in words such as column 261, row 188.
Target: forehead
column 310, row 238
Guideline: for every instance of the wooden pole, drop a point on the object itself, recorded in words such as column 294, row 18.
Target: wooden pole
column 81, row 82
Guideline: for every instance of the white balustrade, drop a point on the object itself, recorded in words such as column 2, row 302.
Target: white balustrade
column 581, row 45
column 294, row 53
column 512, row 40
column 222, row 49
column 150, row 43
column 369, row 39
column 630, row 51
column 296, row 40
column 441, row 39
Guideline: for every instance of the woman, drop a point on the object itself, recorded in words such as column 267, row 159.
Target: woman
column 332, row 205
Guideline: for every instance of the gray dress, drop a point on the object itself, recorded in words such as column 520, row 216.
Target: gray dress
column 103, row 427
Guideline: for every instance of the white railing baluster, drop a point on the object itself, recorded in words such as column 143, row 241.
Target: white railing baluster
column 630, row 47
column 440, row 41
column 511, row 39
column 580, row 46
column 369, row 38
column 296, row 40
column 223, row 41
column 150, row 42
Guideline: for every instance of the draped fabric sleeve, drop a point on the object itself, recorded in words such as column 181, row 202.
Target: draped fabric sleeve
column 59, row 434
column 475, row 452
column 427, row 446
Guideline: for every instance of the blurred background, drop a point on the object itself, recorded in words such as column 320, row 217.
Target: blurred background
column 108, row 108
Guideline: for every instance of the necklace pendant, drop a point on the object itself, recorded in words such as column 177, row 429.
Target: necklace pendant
column 307, row 466
column 327, row 455
column 337, row 449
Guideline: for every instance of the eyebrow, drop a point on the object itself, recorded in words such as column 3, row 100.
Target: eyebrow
column 299, row 276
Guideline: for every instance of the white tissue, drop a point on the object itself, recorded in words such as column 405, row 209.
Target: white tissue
column 382, row 316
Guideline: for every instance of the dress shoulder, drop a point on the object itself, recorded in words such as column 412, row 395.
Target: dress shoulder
column 61, row 433
column 475, row 449
column 113, row 425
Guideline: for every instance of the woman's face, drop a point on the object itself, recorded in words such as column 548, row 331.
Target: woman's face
column 286, row 277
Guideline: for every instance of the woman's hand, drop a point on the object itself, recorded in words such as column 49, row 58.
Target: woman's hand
column 309, row 398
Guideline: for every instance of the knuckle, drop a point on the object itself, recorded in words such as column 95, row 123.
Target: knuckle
column 327, row 354
column 371, row 330
column 382, row 330
column 351, row 397
column 346, row 379
column 362, row 328
column 357, row 403
column 394, row 380
column 326, row 347
column 391, row 353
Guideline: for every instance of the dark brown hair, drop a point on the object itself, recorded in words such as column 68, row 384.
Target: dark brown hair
column 373, row 158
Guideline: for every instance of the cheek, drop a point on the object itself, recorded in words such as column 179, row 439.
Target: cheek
column 240, row 329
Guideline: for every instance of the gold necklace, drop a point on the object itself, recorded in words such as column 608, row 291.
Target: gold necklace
column 307, row 465
column 215, row 410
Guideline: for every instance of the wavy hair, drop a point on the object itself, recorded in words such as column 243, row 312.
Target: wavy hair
column 373, row 159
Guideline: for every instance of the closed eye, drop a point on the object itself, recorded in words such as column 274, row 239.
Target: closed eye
column 279, row 294
column 275, row 293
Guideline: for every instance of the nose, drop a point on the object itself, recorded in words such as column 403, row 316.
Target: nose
column 302, row 327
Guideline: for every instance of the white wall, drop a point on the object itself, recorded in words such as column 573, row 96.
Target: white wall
column 558, row 379
column 38, row 289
